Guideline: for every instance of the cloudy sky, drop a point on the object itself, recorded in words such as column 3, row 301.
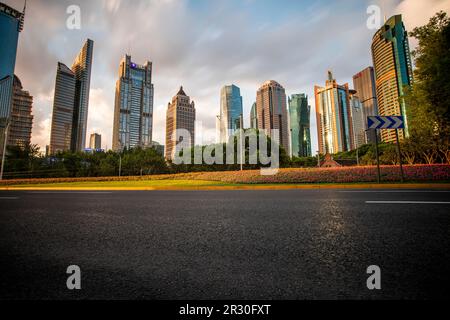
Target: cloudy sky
column 202, row 45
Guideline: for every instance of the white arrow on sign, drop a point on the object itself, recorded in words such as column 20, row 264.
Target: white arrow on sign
column 387, row 123
column 397, row 122
column 375, row 123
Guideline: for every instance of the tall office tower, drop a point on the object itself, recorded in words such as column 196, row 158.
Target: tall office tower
column 21, row 119
column 253, row 117
column 82, row 69
column 359, row 129
column 180, row 115
column 70, row 105
column 393, row 71
column 133, row 111
column 299, row 116
column 63, row 110
column 95, row 142
column 11, row 24
column 364, row 84
column 333, row 114
column 230, row 112
column 272, row 112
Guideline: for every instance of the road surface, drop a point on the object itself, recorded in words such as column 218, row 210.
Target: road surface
column 287, row 244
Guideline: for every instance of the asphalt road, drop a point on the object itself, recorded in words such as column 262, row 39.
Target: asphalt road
column 290, row 244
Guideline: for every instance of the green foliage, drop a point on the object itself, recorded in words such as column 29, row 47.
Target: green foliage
column 428, row 99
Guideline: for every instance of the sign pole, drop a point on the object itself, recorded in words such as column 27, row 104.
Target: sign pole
column 378, row 157
column 399, row 156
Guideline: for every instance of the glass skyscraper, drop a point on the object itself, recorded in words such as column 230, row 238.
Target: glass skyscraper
column 393, row 71
column 19, row 133
column 364, row 84
column 272, row 112
column 180, row 115
column 82, row 69
column 71, row 102
column 333, row 113
column 253, row 117
column 230, row 112
column 63, row 109
column 359, row 129
column 133, row 111
column 299, row 116
column 11, row 23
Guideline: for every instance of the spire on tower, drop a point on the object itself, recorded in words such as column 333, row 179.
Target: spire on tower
column 22, row 17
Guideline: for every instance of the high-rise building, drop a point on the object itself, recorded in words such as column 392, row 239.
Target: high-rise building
column 299, row 116
column 272, row 112
column 359, row 129
column 364, row 84
column 11, row 24
column 21, row 120
column 63, row 105
column 133, row 111
column 95, row 142
column 82, row 68
column 393, row 71
column 333, row 114
column 253, row 117
column 180, row 115
column 71, row 102
column 230, row 112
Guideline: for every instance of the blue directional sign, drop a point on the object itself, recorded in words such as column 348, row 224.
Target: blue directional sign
column 391, row 122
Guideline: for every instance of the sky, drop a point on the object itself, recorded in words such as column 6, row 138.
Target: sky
column 201, row 45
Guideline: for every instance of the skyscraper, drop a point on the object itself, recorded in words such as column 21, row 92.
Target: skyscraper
column 19, row 133
column 272, row 112
column 133, row 111
column 63, row 109
column 11, row 24
column 230, row 112
column 180, row 115
column 95, row 142
column 82, row 68
column 299, row 116
column 364, row 84
column 71, row 102
column 393, row 71
column 253, row 117
column 359, row 129
column 333, row 113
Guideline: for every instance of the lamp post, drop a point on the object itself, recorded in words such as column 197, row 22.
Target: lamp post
column 4, row 149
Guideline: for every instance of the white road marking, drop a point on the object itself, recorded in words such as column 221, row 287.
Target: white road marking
column 407, row 202
column 9, row 198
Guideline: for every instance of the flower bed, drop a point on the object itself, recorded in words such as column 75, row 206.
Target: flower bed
column 415, row 173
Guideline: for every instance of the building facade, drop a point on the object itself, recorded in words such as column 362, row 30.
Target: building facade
column 272, row 112
column 364, row 84
column 71, row 102
column 357, row 111
column 11, row 24
column 81, row 67
column 133, row 111
column 253, row 117
column 333, row 114
column 95, row 141
column 63, row 110
column 230, row 112
column 393, row 71
column 299, row 119
column 180, row 115
column 21, row 120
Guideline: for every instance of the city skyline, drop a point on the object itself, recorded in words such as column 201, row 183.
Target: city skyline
column 247, row 74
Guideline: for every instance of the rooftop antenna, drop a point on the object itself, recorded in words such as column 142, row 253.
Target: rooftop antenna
column 383, row 7
column 22, row 17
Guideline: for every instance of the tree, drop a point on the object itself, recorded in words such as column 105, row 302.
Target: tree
column 428, row 99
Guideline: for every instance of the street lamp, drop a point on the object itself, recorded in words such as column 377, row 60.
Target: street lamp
column 4, row 149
